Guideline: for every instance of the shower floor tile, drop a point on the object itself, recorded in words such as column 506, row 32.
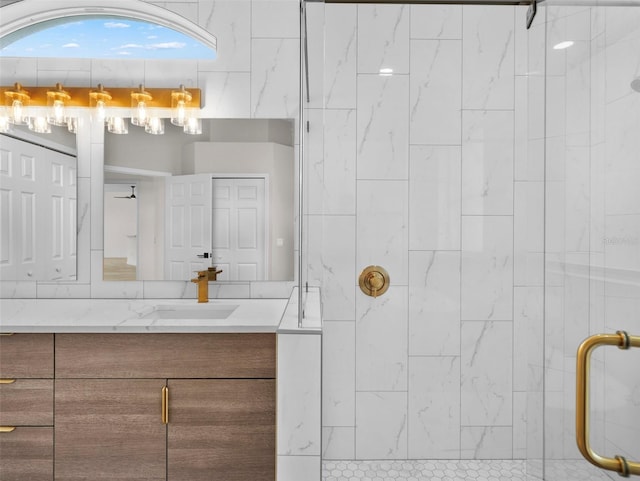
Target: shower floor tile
column 447, row 470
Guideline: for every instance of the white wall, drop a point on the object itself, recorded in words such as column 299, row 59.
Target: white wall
column 120, row 220
column 425, row 173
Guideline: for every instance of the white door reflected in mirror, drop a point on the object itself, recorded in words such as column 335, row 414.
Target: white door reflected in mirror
column 225, row 201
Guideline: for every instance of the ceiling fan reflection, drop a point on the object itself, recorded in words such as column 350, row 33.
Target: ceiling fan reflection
column 132, row 196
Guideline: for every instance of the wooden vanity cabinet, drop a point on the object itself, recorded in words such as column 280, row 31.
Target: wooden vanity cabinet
column 221, row 407
column 26, row 407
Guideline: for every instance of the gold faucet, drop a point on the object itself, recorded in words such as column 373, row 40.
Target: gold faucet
column 211, row 274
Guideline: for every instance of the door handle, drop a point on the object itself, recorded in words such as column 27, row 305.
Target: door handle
column 206, row 255
column 583, row 369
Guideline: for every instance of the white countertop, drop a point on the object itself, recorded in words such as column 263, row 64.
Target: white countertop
column 137, row 315
column 160, row 315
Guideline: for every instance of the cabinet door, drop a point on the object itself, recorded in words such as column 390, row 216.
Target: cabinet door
column 222, row 429
column 27, row 454
column 109, row 430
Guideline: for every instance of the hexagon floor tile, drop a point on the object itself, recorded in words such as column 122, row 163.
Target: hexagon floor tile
column 450, row 470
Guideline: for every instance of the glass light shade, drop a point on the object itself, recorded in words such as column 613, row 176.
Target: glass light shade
column 5, row 125
column 40, row 125
column 98, row 101
column 155, row 126
column 17, row 116
column 193, row 126
column 72, row 125
column 56, row 100
column 117, row 125
column 180, row 103
column 139, row 115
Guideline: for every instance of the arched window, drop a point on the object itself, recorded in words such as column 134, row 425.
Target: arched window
column 123, row 29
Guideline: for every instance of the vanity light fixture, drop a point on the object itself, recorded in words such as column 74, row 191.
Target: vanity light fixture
column 180, row 106
column 139, row 104
column 99, row 101
column 117, row 125
column 56, row 100
column 39, row 125
column 17, row 99
column 59, row 106
column 155, row 126
column 193, row 126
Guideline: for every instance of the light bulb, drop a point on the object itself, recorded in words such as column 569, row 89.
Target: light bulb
column 17, row 110
column 117, row 125
column 101, row 111
column 58, row 112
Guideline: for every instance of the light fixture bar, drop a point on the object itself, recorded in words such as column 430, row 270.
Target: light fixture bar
column 120, row 97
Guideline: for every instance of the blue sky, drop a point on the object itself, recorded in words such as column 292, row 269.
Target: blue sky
column 108, row 38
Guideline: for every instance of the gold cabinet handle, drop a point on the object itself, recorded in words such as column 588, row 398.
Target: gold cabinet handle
column 583, row 368
column 7, row 381
column 6, row 333
column 7, row 429
column 165, row 405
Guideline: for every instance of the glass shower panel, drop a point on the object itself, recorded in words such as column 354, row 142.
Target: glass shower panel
column 592, row 229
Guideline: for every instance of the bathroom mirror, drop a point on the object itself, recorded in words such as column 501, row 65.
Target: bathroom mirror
column 38, row 205
column 175, row 203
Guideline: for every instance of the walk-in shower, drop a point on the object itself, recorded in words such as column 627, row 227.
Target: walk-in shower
column 495, row 178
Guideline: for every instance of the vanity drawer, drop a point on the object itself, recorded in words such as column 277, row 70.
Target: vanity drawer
column 166, row 355
column 27, row 453
column 26, row 356
column 26, row 402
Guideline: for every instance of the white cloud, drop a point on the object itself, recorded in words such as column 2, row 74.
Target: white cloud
column 70, row 45
column 151, row 37
column 129, row 45
column 167, row 45
column 116, row 25
column 124, row 53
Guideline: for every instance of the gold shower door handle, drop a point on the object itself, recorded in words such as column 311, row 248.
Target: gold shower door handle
column 583, row 369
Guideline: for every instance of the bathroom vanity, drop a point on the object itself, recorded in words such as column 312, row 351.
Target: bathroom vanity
column 155, row 397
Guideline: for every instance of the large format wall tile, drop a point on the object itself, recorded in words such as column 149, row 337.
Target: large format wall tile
column 486, row 442
column 340, row 49
column 383, row 127
column 487, row 272
column 338, row 442
column 486, row 365
column 338, row 266
column 381, row 425
column 382, row 237
column 488, row 57
column 275, row 19
column 383, row 38
column 230, row 22
column 338, row 374
column 381, row 341
column 434, row 303
column 435, row 91
column 434, row 407
column 339, row 162
column 274, row 78
column 436, row 21
column 487, row 162
column 434, row 198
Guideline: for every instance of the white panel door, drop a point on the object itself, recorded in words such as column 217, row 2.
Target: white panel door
column 37, row 212
column 188, row 226
column 239, row 246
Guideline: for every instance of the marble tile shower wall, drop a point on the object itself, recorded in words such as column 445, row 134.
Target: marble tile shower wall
column 254, row 76
column 428, row 173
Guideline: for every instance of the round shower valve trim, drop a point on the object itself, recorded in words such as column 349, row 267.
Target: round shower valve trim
column 374, row 281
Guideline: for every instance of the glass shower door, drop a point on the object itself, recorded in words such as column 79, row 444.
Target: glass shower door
column 592, row 230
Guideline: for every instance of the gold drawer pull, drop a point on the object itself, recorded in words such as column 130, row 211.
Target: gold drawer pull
column 6, row 333
column 7, row 429
column 165, row 405
column 7, row 381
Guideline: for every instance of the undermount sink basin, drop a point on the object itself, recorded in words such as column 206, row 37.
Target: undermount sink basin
column 203, row 311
